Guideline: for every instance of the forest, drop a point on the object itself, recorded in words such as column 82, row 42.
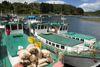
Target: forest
column 39, row 8
column 95, row 13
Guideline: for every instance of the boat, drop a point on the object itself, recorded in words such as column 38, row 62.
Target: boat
column 9, row 45
column 78, row 50
column 9, row 16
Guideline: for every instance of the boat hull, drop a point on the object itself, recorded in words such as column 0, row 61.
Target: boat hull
column 80, row 62
column 6, row 18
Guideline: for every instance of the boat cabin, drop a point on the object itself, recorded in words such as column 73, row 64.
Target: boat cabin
column 37, row 28
column 13, row 26
column 85, row 38
column 58, row 28
column 56, row 41
column 31, row 19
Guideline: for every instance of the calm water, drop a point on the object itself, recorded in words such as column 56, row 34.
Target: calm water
column 77, row 25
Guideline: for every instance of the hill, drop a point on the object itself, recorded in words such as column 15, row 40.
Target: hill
column 96, row 13
column 39, row 8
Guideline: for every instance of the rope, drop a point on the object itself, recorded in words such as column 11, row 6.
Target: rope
column 11, row 45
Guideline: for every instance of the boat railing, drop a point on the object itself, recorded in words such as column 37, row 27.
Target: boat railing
column 84, row 52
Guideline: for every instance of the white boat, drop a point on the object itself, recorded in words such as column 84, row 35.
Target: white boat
column 77, row 49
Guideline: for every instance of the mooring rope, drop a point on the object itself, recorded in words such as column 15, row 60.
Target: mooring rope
column 11, row 45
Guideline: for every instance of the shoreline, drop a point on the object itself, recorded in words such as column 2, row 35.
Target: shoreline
column 91, row 19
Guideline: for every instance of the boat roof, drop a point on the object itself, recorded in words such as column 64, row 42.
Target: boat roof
column 79, row 35
column 40, row 23
column 48, row 23
column 31, row 16
column 11, row 22
column 60, row 39
column 59, row 24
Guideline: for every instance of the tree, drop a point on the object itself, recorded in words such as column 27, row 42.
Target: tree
column 80, row 11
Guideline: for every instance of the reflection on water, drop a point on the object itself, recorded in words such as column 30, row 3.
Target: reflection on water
column 76, row 25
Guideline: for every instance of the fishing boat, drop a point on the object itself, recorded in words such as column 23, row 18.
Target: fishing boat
column 9, row 45
column 9, row 16
column 78, row 50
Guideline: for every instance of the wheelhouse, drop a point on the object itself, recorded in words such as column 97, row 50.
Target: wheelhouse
column 58, row 28
column 13, row 26
column 31, row 18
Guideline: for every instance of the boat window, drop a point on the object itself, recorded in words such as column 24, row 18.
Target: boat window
column 57, row 45
column 61, row 28
column 50, row 43
column 42, row 26
column 35, row 27
column 73, row 37
column 31, row 18
column 32, row 26
column 46, row 41
column 45, row 27
column 66, row 27
column 8, row 27
column 62, row 47
column 14, row 26
column 53, row 27
column 77, row 38
column 20, row 26
column 53, row 44
column 39, row 27
column 82, row 40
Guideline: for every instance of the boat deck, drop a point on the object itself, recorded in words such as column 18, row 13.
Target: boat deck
column 60, row 39
column 4, row 59
column 15, row 42
column 79, row 35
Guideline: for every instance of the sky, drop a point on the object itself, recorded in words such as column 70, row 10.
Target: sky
column 86, row 5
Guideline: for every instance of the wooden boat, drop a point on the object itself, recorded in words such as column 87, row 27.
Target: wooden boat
column 78, row 50
column 10, row 43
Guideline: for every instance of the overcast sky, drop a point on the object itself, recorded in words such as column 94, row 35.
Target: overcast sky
column 87, row 5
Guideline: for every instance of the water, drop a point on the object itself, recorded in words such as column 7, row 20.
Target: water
column 76, row 25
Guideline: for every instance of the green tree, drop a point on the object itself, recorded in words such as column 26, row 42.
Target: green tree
column 80, row 11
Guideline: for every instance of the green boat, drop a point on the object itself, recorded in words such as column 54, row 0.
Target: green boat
column 78, row 50
column 9, row 44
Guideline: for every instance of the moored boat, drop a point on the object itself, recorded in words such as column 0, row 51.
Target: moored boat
column 9, row 16
column 10, row 44
column 78, row 50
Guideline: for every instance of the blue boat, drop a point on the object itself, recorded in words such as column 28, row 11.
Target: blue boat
column 9, row 16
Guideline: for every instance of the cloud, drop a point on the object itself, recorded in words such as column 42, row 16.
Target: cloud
column 86, row 0
column 55, row 2
column 22, row 1
column 91, row 7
